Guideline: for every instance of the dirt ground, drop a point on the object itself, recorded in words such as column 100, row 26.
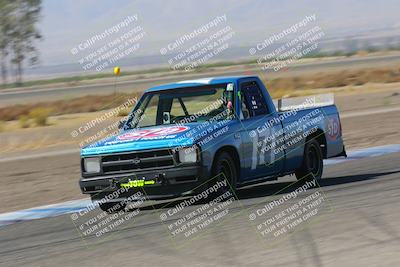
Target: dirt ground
column 371, row 130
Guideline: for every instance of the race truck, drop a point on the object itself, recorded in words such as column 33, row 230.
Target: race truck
column 180, row 136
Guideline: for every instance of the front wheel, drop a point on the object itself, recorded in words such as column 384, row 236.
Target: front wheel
column 225, row 169
column 312, row 166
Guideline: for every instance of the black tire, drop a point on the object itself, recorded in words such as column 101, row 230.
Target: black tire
column 224, row 167
column 112, row 207
column 312, row 166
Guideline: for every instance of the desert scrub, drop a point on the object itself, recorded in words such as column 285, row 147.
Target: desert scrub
column 123, row 112
column 24, row 121
column 88, row 103
column 40, row 116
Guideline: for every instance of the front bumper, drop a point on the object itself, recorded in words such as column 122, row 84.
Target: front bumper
column 170, row 183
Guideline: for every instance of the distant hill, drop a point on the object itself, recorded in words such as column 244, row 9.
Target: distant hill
column 347, row 24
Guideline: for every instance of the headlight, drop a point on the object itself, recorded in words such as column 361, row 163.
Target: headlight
column 188, row 155
column 92, row 165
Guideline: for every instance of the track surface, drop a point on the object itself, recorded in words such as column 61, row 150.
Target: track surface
column 20, row 96
column 361, row 230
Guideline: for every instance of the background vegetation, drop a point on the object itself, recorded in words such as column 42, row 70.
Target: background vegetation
column 18, row 34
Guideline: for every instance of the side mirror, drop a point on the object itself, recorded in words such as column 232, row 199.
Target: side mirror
column 121, row 124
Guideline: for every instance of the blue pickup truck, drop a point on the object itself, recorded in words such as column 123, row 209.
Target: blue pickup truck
column 180, row 135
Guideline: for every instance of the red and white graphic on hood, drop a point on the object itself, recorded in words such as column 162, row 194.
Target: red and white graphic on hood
column 152, row 133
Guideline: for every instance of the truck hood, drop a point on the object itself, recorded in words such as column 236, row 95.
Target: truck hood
column 141, row 139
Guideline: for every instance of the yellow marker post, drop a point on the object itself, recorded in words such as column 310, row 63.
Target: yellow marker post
column 117, row 70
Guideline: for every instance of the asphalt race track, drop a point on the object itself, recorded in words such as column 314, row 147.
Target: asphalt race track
column 360, row 228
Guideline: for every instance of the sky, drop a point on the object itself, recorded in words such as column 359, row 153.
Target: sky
column 65, row 24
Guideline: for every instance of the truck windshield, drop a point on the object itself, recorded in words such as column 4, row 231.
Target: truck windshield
column 183, row 105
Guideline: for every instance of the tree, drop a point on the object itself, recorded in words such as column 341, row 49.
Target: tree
column 23, row 34
column 6, row 9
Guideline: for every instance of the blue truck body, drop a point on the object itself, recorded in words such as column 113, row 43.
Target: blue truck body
column 263, row 147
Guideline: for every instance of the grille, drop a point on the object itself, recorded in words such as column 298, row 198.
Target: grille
column 138, row 161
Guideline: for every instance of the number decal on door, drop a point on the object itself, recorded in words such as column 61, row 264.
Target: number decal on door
column 261, row 150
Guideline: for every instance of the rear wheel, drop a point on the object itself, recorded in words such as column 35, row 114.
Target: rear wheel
column 312, row 166
column 224, row 169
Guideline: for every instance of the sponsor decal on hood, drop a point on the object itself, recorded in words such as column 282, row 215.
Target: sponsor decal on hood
column 158, row 133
